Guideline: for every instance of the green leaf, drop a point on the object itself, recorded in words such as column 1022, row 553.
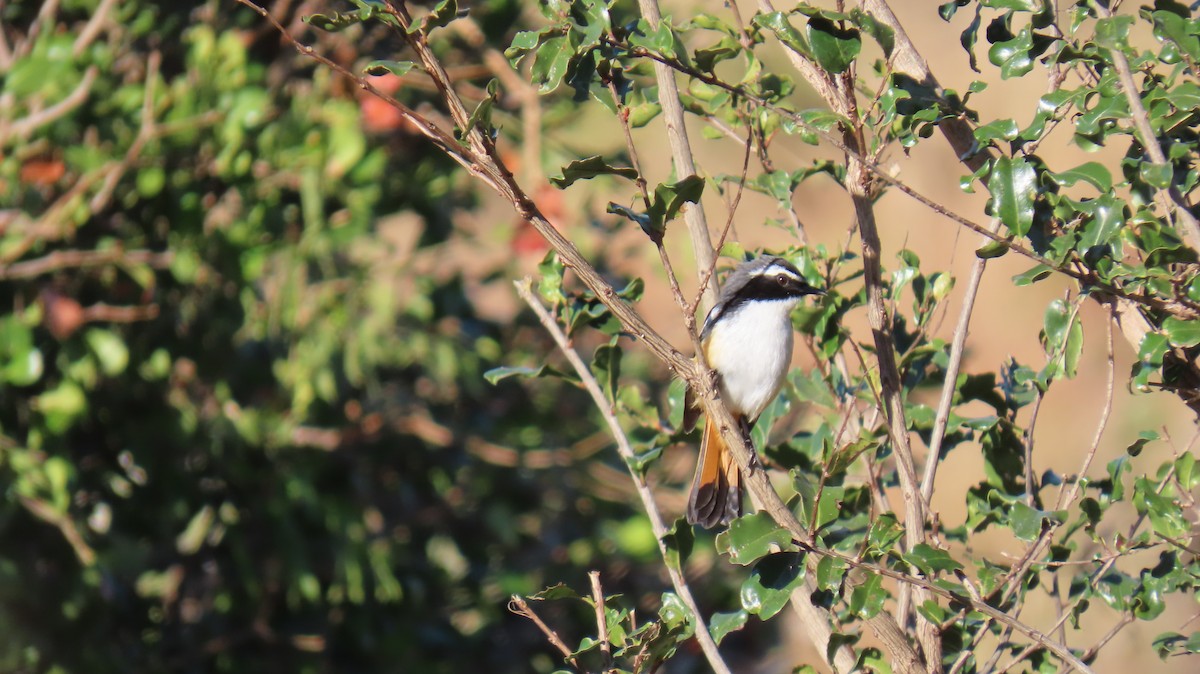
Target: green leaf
column 590, row 167
column 753, row 537
column 670, row 197
column 110, row 350
column 1000, row 129
column 643, row 220
column 1013, row 185
column 722, row 623
column 1157, row 175
column 1166, row 514
column 397, row 68
column 333, row 23
column 1014, row 56
column 777, row 23
column 1113, row 32
column 992, row 250
column 445, row 12
column 550, row 63
column 679, row 542
column 23, row 367
column 930, row 560
column 1093, row 173
column 771, row 584
column 1144, row 438
column 1153, row 348
column 1027, row 522
column 1038, row 273
column 606, row 364
column 834, row 48
column 61, row 406
column 880, row 32
column 1182, row 332
column 867, row 599
column 481, row 117
column 497, row 374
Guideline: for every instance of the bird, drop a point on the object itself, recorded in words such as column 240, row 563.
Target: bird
column 747, row 340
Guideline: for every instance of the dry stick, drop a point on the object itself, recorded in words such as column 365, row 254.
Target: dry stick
column 629, row 458
column 681, row 153
column 601, row 619
column 899, row 652
column 1033, row 416
column 517, row 605
column 65, row 524
column 1169, row 199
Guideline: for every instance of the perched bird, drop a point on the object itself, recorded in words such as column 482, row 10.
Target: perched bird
column 747, row 341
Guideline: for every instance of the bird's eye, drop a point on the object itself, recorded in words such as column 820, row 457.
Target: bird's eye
column 782, row 278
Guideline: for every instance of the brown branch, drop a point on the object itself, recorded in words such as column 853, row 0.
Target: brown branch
column 22, row 128
column 107, row 313
column 629, row 458
column 73, row 259
column 601, row 620
column 92, row 29
column 517, row 605
column 65, row 524
column 681, row 154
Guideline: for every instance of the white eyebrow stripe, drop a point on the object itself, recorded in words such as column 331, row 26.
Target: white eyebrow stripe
column 772, row 269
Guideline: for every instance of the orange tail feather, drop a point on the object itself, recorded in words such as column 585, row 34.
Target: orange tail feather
column 716, row 496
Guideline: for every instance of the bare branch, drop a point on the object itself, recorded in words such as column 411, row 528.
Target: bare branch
column 629, row 458
column 518, row 605
column 681, row 153
column 22, row 128
column 601, row 619
column 92, row 29
column 73, row 259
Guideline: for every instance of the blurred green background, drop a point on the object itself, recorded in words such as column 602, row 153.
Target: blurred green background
column 243, row 422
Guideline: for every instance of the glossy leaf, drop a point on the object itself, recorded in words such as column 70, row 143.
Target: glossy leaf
column 1013, row 185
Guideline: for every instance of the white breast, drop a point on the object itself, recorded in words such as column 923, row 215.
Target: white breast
column 751, row 350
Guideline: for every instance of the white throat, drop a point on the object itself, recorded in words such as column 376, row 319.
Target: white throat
column 751, row 349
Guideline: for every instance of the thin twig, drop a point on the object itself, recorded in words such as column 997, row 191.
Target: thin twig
column 92, row 28
column 681, row 153
column 517, row 605
column 601, row 619
column 1029, row 434
column 629, row 458
column 74, row 259
column 737, row 199
column 949, row 386
column 22, row 128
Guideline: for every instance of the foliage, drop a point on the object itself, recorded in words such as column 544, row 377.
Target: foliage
column 244, row 421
